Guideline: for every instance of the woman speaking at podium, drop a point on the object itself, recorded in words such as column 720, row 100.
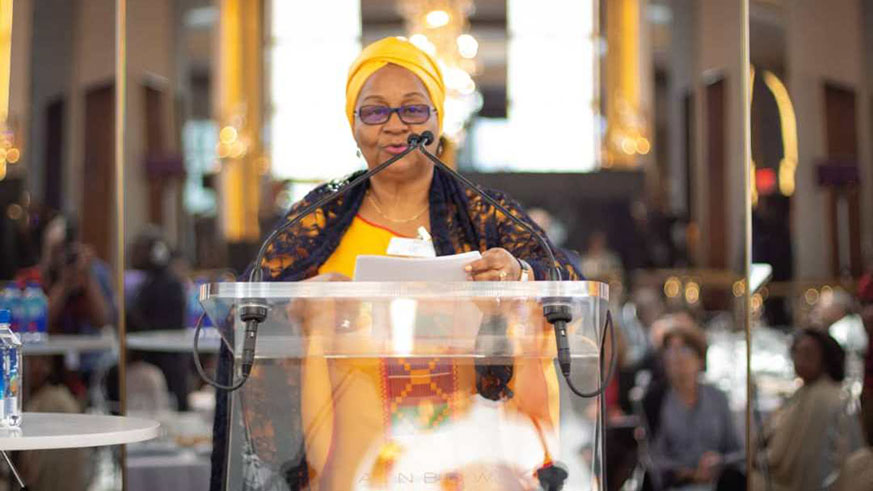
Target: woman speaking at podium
column 394, row 89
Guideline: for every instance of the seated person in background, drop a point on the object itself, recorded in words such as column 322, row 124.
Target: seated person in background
column 650, row 373
column 77, row 284
column 79, row 295
column 158, row 303
column 52, row 470
column 811, row 436
column 637, row 317
column 642, row 309
column 695, row 439
column 146, row 386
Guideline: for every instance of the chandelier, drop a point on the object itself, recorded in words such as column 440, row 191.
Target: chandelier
column 440, row 28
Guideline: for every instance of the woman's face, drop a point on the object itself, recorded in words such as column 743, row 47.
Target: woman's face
column 394, row 86
column 807, row 357
column 681, row 361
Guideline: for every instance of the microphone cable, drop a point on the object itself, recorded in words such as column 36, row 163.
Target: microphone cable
column 198, row 364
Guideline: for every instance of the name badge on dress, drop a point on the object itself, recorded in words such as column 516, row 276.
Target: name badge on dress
column 420, row 247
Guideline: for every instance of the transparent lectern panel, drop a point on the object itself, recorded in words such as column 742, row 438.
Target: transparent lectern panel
column 361, row 386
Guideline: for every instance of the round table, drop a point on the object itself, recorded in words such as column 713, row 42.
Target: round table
column 173, row 341
column 46, row 431
column 62, row 344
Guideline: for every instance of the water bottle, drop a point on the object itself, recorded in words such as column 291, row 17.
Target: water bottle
column 34, row 305
column 11, row 301
column 10, row 348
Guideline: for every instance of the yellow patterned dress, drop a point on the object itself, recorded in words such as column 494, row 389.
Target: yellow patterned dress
column 361, row 415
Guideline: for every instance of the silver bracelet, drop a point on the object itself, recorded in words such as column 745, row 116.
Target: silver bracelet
column 526, row 270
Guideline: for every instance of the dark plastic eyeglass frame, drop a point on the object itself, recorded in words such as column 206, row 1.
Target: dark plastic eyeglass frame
column 392, row 110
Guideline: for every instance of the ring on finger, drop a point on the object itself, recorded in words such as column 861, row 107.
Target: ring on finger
column 503, row 276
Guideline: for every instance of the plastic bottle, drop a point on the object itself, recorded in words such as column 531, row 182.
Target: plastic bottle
column 34, row 305
column 10, row 349
column 27, row 318
column 11, row 301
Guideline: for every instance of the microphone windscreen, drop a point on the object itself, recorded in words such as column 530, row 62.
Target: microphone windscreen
column 413, row 139
column 427, row 136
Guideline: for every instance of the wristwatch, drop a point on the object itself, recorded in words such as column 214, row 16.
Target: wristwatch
column 527, row 273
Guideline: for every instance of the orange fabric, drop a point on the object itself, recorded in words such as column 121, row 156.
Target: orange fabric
column 362, row 237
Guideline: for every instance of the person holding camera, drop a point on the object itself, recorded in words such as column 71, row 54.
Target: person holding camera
column 77, row 284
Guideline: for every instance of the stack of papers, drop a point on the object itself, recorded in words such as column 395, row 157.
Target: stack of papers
column 389, row 268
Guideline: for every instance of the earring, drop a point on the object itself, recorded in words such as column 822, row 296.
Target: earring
column 358, row 153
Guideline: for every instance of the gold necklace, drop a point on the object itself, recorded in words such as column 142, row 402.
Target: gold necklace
column 394, row 220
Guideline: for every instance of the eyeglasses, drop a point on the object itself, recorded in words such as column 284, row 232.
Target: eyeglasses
column 409, row 114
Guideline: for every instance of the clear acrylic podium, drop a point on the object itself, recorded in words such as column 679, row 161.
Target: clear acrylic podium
column 412, row 385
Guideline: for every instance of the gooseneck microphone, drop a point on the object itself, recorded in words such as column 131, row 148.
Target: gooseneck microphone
column 555, row 310
column 253, row 311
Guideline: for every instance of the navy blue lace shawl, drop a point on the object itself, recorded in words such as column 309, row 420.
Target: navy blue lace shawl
column 460, row 221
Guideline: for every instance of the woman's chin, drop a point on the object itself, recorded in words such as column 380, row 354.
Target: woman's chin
column 407, row 167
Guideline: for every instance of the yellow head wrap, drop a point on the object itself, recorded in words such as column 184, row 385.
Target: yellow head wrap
column 399, row 52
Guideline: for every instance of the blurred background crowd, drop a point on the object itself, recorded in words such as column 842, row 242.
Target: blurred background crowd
column 617, row 123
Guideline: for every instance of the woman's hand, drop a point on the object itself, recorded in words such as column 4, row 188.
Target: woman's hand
column 495, row 265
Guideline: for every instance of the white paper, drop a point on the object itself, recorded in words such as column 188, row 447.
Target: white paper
column 388, row 268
